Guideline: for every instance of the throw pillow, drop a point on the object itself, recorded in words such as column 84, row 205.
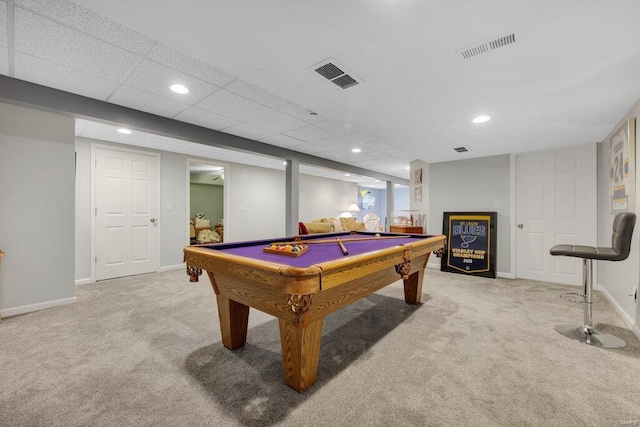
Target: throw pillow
column 348, row 224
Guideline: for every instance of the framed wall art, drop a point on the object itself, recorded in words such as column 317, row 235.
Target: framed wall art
column 622, row 168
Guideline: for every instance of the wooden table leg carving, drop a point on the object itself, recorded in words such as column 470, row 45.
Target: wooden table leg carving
column 300, row 353
column 299, row 305
column 193, row 273
column 234, row 318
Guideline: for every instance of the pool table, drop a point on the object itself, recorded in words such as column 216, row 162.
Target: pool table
column 300, row 291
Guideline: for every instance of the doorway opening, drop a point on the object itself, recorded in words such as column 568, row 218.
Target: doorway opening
column 206, row 195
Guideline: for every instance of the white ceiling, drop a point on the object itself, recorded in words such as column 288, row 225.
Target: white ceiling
column 568, row 79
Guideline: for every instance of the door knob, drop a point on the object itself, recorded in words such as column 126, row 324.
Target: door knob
column 152, row 220
column 520, row 225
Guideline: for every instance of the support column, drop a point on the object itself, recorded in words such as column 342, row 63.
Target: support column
column 389, row 220
column 292, row 208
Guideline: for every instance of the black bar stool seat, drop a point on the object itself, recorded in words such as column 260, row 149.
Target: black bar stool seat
column 623, row 225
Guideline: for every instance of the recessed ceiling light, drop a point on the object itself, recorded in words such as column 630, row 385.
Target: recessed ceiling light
column 182, row 90
column 356, row 150
column 377, row 180
column 481, row 119
column 347, row 174
column 408, row 168
column 284, row 163
column 124, row 131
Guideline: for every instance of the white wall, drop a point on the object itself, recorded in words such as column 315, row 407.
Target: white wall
column 473, row 185
column 36, row 214
column 323, row 197
column 618, row 278
column 256, row 203
column 173, row 223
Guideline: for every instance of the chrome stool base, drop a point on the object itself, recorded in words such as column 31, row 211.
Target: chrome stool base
column 588, row 335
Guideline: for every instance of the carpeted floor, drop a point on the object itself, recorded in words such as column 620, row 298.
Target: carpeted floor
column 146, row 350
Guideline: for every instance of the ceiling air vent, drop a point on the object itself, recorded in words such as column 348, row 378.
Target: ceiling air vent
column 461, row 149
column 336, row 73
column 487, row 45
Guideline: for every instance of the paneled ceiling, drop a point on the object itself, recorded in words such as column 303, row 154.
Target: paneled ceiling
column 567, row 75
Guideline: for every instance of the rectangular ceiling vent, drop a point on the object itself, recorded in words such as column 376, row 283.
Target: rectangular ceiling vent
column 487, row 45
column 461, row 149
column 336, row 73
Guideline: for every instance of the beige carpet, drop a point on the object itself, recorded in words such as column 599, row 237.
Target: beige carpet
column 146, row 350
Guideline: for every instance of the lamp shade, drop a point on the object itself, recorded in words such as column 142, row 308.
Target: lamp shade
column 353, row 208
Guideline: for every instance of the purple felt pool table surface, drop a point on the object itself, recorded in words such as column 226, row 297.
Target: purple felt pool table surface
column 319, row 252
column 301, row 291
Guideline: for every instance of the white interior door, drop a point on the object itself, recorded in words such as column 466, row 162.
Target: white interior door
column 126, row 206
column 555, row 204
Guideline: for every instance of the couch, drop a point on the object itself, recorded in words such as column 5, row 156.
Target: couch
column 329, row 225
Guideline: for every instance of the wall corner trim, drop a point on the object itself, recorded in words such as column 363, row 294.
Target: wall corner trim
column 631, row 324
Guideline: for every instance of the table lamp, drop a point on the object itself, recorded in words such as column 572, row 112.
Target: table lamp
column 353, row 209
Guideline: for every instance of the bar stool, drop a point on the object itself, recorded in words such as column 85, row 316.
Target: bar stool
column 623, row 225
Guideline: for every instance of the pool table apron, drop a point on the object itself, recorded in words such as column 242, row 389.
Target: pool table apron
column 301, row 297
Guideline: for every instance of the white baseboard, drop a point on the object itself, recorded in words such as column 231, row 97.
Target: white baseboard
column 631, row 324
column 35, row 307
column 172, row 267
column 83, row 281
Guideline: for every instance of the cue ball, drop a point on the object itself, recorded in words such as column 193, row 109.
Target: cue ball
column 377, row 234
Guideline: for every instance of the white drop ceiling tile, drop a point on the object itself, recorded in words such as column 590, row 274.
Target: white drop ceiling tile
column 187, row 64
column 360, row 137
column 300, row 112
column 336, row 127
column 310, row 133
column 256, row 93
column 337, row 143
column 36, row 70
column 89, row 22
column 3, row 24
column 43, row 38
column 276, row 121
column 311, row 148
column 154, row 77
column 144, row 101
column 395, row 152
column 374, row 155
column 282, row 141
column 231, row 105
column 380, row 146
column 249, row 131
column 204, row 118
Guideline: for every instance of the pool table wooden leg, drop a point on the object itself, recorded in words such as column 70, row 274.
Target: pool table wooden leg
column 234, row 318
column 300, row 353
column 413, row 287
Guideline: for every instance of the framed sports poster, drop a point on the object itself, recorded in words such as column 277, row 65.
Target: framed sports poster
column 622, row 168
column 471, row 243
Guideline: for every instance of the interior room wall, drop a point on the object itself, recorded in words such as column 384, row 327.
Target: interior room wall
column 208, row 199
column 173, row 221
column 380, row 204
column 323, row 197
column 473, row 185
column 37, row 215
column 401, row 198
column 256, row 198
column 618, row 279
